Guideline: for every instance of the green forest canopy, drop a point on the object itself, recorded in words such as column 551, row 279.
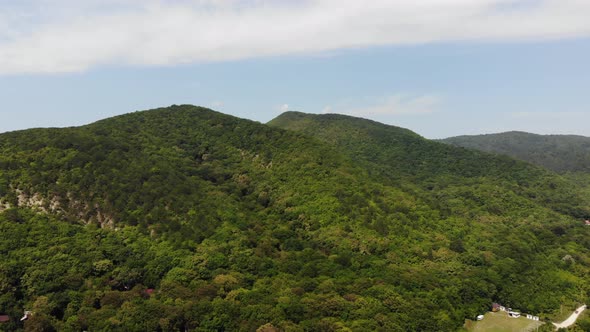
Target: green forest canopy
column 185, row 218
column 560, row 153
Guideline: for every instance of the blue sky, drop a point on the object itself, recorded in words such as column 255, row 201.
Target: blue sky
column 438, row 67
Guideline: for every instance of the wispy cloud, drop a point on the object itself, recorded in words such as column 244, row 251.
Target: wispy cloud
column 47, row 36
column 397, row 104
column 217, row 104
column 548, row 115
column 283, row 108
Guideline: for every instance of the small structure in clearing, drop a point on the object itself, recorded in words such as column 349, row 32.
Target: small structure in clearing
column 513, row 314
column 500, row 321
column 498, row 307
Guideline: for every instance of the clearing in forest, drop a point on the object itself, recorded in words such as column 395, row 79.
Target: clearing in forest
column 501, row 322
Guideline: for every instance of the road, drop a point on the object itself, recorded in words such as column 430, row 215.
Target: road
column 571, row 319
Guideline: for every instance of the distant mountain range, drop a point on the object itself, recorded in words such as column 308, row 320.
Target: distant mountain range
column 183, row 218
column 560, row 153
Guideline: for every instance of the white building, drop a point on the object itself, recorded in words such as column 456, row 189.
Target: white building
column 513, row 314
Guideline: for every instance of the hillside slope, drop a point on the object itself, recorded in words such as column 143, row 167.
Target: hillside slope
column 560, row 153
column 183, row 218
column 167, row 170
column 404, row 158
column 488, row 193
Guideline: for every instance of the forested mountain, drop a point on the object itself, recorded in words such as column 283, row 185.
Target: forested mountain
column 560, row 153
column 183, row 218
column 403, row 158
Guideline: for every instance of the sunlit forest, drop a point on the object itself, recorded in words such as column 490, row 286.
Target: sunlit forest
column 186, row 219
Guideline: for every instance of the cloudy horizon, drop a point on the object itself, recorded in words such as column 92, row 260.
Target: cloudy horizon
column 66, row 46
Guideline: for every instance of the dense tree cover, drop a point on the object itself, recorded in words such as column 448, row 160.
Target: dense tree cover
column 404, row 159
column 235, row 225
column 560, row 153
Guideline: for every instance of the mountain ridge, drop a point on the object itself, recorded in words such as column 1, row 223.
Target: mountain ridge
column 397, row 152
column 231, row 224
column 560, row 153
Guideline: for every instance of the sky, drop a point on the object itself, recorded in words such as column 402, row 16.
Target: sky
column 438, row 67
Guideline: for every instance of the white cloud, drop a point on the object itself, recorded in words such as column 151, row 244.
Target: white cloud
column 397, row 104
column 548, row 115
column 70, row 35
column 217, row 104
column 284, row 108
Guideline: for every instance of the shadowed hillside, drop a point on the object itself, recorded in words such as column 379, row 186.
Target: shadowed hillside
column 560, row 153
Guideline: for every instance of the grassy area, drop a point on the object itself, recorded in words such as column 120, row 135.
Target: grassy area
column 501, row 322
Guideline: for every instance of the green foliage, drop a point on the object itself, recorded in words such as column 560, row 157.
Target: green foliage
column 452, row 180
column 560, row 153
column 186, row 219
